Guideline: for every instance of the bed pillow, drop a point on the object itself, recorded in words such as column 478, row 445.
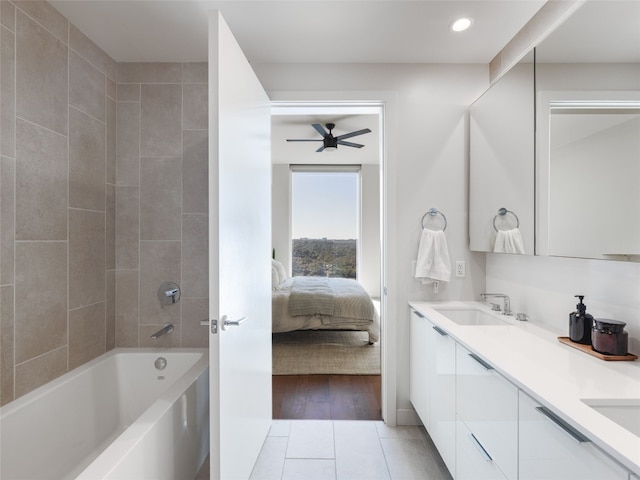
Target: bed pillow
column 282, row 273
column 275, row 278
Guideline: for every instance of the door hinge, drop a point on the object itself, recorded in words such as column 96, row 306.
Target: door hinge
column 214, row 326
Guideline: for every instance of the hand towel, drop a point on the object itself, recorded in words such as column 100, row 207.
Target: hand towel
column 509, row 241
column 433, row 257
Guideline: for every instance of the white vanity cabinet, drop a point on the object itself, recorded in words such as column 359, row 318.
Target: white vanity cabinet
column 487, row 403
column 551, row 449
column 473, row 462
column 420, row 349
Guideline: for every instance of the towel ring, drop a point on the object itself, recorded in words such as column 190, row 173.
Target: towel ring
column 432, row 212
column 501, row 213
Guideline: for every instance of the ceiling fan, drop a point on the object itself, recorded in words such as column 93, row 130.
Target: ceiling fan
column 331, row 142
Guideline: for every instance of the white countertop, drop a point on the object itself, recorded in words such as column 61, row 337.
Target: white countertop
column 555, row 374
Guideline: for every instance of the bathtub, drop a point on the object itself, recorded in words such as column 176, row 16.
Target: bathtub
column 116, row 417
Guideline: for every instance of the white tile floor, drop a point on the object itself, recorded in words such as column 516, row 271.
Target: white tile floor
column 347, row 450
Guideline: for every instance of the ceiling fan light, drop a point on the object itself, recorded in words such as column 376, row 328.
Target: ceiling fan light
column 461, row 24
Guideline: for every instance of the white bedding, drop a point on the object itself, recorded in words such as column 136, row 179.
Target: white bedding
column 283, row 321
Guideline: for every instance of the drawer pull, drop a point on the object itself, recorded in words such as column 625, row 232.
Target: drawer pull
column 480, row 448
column 418, row 314
column 484, row 364
column 440, row 331
column 563, row 425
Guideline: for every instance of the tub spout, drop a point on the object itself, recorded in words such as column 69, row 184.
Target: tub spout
column 166, row 330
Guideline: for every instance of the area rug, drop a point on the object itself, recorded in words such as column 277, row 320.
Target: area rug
column 314, row 352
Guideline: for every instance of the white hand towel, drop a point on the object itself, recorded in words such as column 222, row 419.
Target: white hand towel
column 509, row 241
column 433, row 257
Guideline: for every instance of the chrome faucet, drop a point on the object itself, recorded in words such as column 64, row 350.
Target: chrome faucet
column 166, row 330
column 507, row 302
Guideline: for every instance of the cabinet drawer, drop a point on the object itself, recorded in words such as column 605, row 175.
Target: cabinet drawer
column 419, row 351
column 488, row 405
column 473, row 462
column 550, row 449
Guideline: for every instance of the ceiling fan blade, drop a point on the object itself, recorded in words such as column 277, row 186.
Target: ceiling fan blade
column 320, row 129
column 320, row 149
column 350, row 144
column 353, row 134
column 304, row 140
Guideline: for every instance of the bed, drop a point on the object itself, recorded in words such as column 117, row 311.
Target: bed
column 321, row 303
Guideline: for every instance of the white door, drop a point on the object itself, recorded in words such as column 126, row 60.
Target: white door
column 239, row 257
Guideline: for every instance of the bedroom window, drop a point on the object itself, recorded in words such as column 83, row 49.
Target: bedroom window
column 325, row 220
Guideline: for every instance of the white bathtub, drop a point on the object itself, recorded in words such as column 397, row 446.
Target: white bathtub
column 116, row 417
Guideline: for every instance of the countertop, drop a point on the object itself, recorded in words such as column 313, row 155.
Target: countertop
column 556, row 375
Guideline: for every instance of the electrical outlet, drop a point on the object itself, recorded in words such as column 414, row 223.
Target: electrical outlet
column 461, row 270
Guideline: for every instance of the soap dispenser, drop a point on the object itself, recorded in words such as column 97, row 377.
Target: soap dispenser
column 580, row 324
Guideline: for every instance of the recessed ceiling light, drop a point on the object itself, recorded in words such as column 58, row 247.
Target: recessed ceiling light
column 461, row 24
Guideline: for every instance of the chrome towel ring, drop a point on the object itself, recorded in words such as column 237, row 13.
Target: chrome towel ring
column 433, row 212
column 501, row 213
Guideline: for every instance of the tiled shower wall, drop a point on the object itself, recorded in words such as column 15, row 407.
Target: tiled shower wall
column 103, row 197
column 161, row 202
column 57, row 197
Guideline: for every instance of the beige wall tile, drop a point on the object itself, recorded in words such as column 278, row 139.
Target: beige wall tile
column 41, row 75
column 86, row 87
column 195, row 172
column 47, row 16
column 6, row 344
column 161, row 120
column 112, row 88
column 129, row 92
column 7, row 209
column 111, row 142
column 88, row 50
column 195, row 72
column 110, row 314
column 87, row 335
column 195, row 251
column 136, row 72
column 126, row 308
column 196, row 107
column 159, row 263
column 110, row 227
column 8, row 15
column 86, row 258
column 41, row 183
column 127, row 226
column 7, row 92
column 172, row 340
column 34, row 373
column 128, row 144
column 194, row 310
column 86, row 161
column 40, row 299
column 160, row 198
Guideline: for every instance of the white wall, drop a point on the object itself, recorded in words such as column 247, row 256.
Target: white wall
column 427, row 166
column 280, row 221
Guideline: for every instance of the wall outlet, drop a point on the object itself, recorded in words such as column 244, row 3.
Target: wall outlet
column 461, row 269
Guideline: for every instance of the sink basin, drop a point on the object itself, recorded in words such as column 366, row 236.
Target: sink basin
column 470, row 316
column 624, row 412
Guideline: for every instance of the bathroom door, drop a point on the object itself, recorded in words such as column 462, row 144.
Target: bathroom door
column 239, row 257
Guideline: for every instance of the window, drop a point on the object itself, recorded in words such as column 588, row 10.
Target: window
column 324, row 220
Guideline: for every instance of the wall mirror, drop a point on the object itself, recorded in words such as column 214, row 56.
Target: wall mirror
column 501, row 165
column 588, row 134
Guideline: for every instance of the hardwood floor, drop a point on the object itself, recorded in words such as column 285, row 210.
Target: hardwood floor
column 327, row 397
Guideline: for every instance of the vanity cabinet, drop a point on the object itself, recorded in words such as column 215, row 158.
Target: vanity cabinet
column 420, row 350
column 473, row 462
column 487, row 404
column 551, row 449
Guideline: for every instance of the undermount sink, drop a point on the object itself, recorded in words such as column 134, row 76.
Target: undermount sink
column 624, row 412
column 470, row 316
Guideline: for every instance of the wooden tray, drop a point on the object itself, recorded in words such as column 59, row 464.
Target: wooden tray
column 587, row 349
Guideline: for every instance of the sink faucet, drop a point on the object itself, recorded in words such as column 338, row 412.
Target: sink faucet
column 507, row 302
column 166, row 330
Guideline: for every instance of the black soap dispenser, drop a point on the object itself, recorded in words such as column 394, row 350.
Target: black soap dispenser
column 580, row 324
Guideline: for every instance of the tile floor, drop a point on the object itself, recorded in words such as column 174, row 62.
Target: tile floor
column 347, row 450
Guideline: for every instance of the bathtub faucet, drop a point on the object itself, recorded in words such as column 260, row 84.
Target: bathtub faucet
column 166, row 330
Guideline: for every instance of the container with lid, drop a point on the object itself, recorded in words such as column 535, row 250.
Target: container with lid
column 609, row 337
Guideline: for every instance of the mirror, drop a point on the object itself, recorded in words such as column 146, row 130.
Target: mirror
column 588, row 134
column 501, row 186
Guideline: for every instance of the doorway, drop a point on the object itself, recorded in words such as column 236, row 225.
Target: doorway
column 320, row 392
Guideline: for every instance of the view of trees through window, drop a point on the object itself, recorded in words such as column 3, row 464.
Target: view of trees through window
column 324, row 218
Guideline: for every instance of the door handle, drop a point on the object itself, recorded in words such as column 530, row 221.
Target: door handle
column 226, row 323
